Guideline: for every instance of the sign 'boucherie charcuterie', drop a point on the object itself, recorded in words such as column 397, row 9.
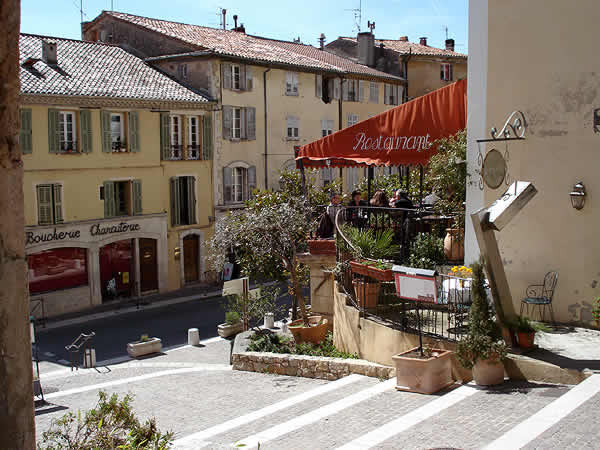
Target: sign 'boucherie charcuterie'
column 97, row 229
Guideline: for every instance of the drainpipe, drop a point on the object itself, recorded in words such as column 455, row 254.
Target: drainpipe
column 266, row 128
column 405, row 60
column 340, row 117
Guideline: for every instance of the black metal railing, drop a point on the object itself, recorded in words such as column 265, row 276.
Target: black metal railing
column 193, row 152
column 77, row 349
column 176, row 152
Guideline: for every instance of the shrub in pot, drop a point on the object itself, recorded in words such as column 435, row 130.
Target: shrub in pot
column 525, row 332
column 481, row 349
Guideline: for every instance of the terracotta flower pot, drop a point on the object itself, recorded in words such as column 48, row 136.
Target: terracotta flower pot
column 488, row 372
column 423, row 375
column 372, row 271
column 366, row 293
column 526, row 338
column 454, row 244
column 321, row 246
column 314, row 334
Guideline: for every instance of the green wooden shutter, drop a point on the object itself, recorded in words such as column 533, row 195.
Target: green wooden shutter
column 58, row 215
column 250, row 122
column 227, row 121
column 165, row 142
column 227, row 184
column 251, row 181
column 191, row 197
column 53, row 131
column 137, row 197
column 25, row 140
column 207, row 139
column 85, row 118
column 110, row 205
column 227, row 81
column 44, row 197
column 175, row 203
column 134, row 140
column 106, row 133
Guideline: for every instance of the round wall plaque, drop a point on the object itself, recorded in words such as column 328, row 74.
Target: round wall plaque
column 494, row 169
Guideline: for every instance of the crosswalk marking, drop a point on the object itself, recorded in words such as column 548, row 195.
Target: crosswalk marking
column 197, row 440
column 406, row 421
column 314, row 416
column 548, row 416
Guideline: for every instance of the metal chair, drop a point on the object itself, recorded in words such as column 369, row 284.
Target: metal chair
column 541, row 295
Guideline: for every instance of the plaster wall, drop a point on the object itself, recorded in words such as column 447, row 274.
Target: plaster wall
column 424, row 74
column 554, row 82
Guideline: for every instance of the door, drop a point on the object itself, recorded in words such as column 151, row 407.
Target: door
column 190, row 258
column 148, row 265
column 116, row 270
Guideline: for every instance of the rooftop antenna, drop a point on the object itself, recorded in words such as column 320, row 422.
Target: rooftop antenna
column 357, row 15
column 370, row 26
column 81, row 10
column 446, row 32
column 222, row 18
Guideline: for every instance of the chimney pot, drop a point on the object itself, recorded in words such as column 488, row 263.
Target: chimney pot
column 423, row 41
column 450, row 45
column 322, row 41
column 235, row 20
column 366, row 48
column 403, row 38
column 49, row 55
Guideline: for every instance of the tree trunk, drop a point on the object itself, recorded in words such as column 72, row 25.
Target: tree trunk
column 16, row 393
column 297, row 288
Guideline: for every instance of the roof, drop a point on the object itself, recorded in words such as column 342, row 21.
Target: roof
column 254, row 48
column 406, row 47
column 94, row 69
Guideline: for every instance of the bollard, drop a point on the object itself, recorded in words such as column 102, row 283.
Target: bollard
column 89, row 358
column 193, row 336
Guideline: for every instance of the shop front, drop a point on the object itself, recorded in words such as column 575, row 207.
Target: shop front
column 79, row 265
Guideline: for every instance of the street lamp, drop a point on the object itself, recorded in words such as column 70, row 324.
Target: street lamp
column 578, row 195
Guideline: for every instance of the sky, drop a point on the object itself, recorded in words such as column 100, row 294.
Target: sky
column 278, row 19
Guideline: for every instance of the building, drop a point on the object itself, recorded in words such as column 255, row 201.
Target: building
column 109, row 211
column 512, row 67
column 272, row 95
column 425, row 68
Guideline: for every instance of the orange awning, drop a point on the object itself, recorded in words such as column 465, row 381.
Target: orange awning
column 400, row 136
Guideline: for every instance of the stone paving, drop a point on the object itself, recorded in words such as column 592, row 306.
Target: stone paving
column 191, row 389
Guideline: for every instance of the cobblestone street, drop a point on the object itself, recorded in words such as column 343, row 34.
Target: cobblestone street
column 193, row 392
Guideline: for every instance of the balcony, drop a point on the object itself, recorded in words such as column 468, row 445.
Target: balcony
column 176, row 153
column 194, row 152
column 68, row 147
column 119, row 147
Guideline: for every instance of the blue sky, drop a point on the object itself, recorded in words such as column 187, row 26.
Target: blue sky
column 279, row 19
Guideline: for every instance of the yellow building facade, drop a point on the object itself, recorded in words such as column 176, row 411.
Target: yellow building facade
column 109, row 214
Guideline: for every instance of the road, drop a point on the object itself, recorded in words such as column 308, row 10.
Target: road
column 170, row 323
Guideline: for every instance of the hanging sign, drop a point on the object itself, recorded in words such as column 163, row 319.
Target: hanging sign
column 494, row 169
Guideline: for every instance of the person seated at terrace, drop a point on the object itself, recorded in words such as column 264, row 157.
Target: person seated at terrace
column 380, row 199
column 402, row 200
column 354, row 215
column 335, row 205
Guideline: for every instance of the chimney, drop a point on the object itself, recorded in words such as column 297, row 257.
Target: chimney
column 403, row 39
column 235, row 21
column 49, row 53
column 224, row 12
column 450, row 45
column 239, row 29
column 366, row 48
column 322, row 41
column 423, row 41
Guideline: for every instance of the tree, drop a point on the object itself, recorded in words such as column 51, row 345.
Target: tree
column 16, row 377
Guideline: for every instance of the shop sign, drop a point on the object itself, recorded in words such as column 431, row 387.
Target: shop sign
column 98, row 229
column 123, row 227
column 31, row 238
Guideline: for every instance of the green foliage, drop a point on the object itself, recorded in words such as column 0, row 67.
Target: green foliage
column 110, row 424
column 232, row 317
column 482, row 341
column 522, row 324
column 391, row 183
column 144, row 338
column 325, row 348
column 426, row 251
column 596, row 309
column 371, row 244
column 275, row 343
column 255, row 307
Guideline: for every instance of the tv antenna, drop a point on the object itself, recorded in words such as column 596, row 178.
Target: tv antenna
column 370, row 26
column 357, row 15
column 446, row 32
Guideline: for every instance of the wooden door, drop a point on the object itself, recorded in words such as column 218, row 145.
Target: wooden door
column 148, row 265
column 190, row 258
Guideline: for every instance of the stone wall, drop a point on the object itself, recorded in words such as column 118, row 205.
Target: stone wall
column 308, row 366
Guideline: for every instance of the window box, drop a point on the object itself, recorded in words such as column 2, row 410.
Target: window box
column 362, row 268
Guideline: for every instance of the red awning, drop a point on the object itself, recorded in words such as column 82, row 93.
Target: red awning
column 400, row 136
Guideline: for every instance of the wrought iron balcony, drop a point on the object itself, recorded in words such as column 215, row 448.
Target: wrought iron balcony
column 176, row 153
column 119, row 147
column 68, row 147
column 193, row 152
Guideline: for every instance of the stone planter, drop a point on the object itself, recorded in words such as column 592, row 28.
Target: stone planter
column 224, row 330
column 488, row 372
column 423, row 375
column 314, row 334
column 526, row 339
column 321, row 246
column 139, row 348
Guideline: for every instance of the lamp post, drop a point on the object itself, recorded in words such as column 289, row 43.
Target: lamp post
column 578, row 196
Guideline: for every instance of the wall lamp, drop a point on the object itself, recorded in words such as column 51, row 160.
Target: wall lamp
column 578, row 195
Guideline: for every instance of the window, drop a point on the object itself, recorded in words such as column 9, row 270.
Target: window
column 119, row 131
column 183, row 201
column 182, row 69
column 352, row 119
column 238, row 183
column 175, row 137
column 352, row 177
column 373, row 92
column 446, row 72
column 291, row 83
column 236, row 129
column 237, row 77
column 67, row 132
column 49, row 204
column 239, row 123
column 293, row 125
column 392, row 94
column 327, row 176
column 326, row 127
column 25, row 132
column 61, row 268
column 193, row 150
column 122, row 198
column 350, row 90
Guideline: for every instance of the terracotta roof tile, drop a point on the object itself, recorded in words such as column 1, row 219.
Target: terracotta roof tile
column 96, row 70
column 405, row 47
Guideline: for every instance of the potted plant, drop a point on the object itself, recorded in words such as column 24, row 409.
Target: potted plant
column 596, row 312
column 233, row 325
column 525, row 332
column 145, row 346
column 481, row 349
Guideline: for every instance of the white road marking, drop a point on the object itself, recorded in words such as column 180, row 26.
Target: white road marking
column 314, row 416
column 197, row 440
column 406, row 421
column 206, row 367
column 548, row 416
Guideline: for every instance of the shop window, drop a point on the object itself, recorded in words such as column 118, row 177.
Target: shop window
column 60, row 268
column 122, row 198
column 446, row 72
column 49, row 204
column 238, row 183
column 183, row 201
column 120, row 132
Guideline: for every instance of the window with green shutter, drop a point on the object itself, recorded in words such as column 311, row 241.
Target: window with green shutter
column 165, row 136
column 183, row 201
column 53, row 131
column 134, row 140
column 109, row 199
column 49, row 204
column 137, row 196
column 25, row 135
column 85, row 119
column 175, row 201
column 207, row 139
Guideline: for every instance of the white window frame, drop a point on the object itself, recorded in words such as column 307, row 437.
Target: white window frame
column 236, row 77
column 326, row 127
column 239, row 184
column 123, row 142
column 373, row 92
column 175, row 136
column 193, row 127
column 64, row 132
column 352, row 119
column 293, row 128
column 291, row 83
column 446, row 72
column 236, row 119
